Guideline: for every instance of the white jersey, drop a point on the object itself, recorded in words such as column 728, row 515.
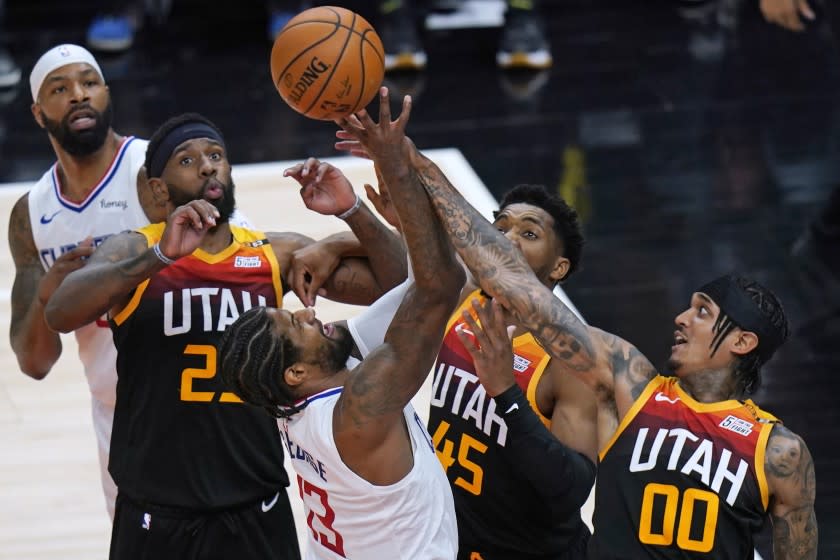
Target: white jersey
column 349, row 517
column 58, row 225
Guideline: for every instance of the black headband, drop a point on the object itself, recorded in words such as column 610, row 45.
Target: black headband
column 175, row 138
column 743, row 311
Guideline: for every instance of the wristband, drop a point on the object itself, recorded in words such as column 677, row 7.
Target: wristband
column 159, row 254
column 352, row 210
column 511, row 401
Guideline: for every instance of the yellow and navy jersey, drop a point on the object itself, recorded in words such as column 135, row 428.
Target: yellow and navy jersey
column 180, row 438
column 682, row 479
column 500, row 514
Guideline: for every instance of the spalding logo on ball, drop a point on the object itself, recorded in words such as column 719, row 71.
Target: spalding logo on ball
column 327, row 62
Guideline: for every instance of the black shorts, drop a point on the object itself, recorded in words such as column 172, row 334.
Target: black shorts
column 257, row 531
column 575, row 550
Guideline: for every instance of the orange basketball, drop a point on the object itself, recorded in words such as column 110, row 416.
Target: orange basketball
column 327, row 62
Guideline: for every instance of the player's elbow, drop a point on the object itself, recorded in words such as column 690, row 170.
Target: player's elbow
column 35, row 368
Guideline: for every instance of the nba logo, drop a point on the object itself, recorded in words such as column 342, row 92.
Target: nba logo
column 147, row 521
column 64, row 51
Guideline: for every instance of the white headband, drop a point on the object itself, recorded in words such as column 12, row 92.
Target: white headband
column 55, row 58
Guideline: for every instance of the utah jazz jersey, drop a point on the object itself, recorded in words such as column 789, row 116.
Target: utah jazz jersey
column 180, row 438
column 500, row 514
column 682, row 479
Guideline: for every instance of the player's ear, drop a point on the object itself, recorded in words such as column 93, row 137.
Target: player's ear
column 744, row 342
column 36, row 113
column 160, row 192
column 295, row 374
column 561, row 268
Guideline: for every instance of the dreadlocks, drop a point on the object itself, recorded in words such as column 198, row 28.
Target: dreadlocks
column 252, row 361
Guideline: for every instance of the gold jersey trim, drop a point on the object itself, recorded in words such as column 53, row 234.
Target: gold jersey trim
column 241, row 237
column 652, row 386
column 152, row 233
column 539, row 370
column 760, row 448
column 521, row 340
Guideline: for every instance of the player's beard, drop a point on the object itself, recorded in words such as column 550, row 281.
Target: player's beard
column 225, row 205
column 334, row 356
column 80, row 143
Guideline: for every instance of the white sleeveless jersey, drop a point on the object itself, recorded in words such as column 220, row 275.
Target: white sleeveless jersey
column 349, row 517
column 58, row 225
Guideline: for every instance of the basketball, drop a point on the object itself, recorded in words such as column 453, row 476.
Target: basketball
column 327, row 62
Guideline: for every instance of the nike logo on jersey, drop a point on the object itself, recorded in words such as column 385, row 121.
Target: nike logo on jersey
column 513, row 407
column 45, row 220
column 267, row 506
column 660, row 396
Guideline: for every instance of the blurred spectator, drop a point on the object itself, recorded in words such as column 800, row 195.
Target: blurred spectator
column 113, row 30
column 9, row 70
column 523, row 43
column 281, row 11
column 790, row 14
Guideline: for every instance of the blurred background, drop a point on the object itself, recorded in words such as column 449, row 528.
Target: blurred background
column 694, row 137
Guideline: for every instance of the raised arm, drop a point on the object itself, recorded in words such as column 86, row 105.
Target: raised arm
column 792, row 483
column 613, row 368
column 123, row 262
column 36, row 346
column 369, row 424
column 326, row 190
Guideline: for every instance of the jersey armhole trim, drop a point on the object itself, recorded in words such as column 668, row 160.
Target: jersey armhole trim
column 132, row 304
column 531, row 394
column 276, row 278
column 654, row 384
column 760, row 475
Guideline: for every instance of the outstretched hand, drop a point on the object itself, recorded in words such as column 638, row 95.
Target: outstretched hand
column 324, row 188
column 489, row 345
column 787, row 13
column 382, row 141
column 310, row 268
column 73, row 259
column 186, row 227
column 382, row 200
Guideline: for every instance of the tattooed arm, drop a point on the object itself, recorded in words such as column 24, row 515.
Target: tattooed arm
column 123, row 262
column 610, row 366
column 114, row 270
column 36, row 346
column 792, row 483
column 368, row 422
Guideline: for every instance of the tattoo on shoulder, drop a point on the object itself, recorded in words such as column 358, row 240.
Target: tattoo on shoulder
column 21, row 242
column 119, row 247
column 628, row 362
column 786, row 455
column 790, row 469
